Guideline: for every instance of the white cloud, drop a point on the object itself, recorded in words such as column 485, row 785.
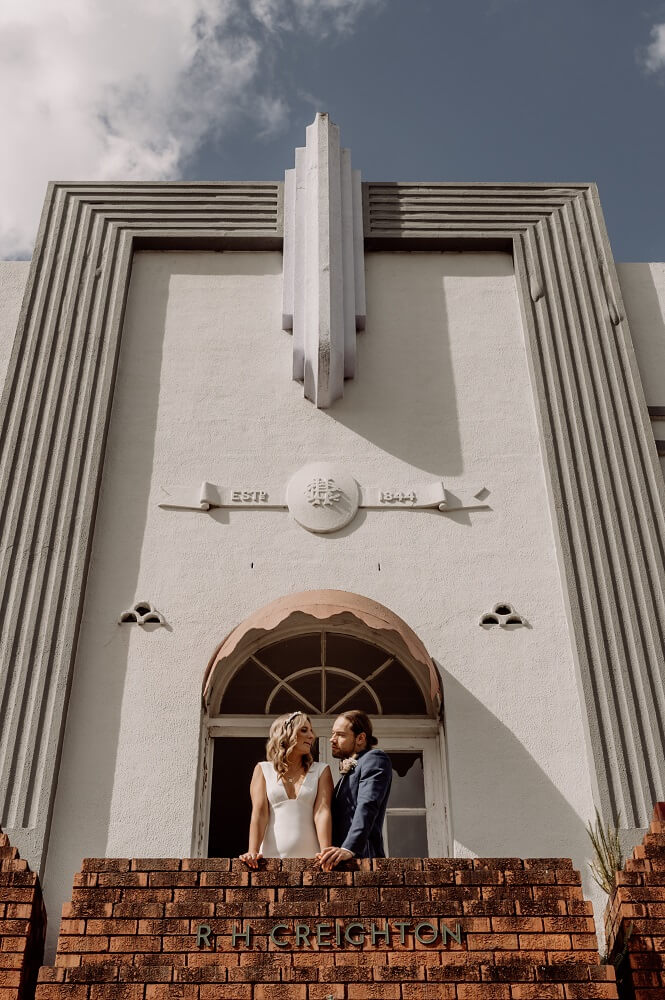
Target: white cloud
column 320, row 17
column 317, row 17
column 654, row 59
column 120, row 90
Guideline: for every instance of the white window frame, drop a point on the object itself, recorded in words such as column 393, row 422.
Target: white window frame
column 408, row 733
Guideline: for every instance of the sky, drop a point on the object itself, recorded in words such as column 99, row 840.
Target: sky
column 436, row 90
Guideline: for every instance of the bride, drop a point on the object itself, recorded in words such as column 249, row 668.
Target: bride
column 291, row 795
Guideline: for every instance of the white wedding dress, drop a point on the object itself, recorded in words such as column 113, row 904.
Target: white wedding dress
column 290, row 832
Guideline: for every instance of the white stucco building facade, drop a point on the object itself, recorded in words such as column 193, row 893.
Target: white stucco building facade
column 453, row 381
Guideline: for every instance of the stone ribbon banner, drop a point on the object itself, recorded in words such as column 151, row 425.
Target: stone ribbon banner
column 324, row 497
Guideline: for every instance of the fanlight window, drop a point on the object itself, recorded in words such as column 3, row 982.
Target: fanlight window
column 323, row 673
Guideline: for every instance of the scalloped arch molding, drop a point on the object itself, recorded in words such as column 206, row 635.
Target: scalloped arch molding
column 605, row 488
column 311, row 609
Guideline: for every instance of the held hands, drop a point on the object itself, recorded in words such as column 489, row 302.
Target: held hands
column 251, row 858
column 329, row 857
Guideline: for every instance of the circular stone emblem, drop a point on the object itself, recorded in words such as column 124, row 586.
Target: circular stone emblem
column 322, row 497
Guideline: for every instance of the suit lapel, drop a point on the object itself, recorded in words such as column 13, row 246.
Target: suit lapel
column 349, row 774
column 338, row 786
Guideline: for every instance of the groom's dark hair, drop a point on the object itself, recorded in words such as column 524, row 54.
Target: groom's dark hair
column 360, row 723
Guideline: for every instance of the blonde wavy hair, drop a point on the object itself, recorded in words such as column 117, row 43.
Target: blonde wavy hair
column 283, row 737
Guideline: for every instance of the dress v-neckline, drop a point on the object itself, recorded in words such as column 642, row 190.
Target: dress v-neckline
column 302, row 785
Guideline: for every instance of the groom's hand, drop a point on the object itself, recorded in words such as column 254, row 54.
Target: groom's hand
column 329, row 857
column 251, row 858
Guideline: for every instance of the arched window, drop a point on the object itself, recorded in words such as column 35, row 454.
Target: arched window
column 323, row 673
column 323, row 652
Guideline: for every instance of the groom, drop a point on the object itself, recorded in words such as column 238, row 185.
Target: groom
column 361, row 794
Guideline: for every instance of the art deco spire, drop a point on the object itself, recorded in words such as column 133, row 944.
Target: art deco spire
column 324, row 276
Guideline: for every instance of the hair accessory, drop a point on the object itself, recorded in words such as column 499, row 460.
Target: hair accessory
column 291, row 718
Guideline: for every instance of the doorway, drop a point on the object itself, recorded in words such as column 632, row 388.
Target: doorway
column 324, row 667
column 415, row 824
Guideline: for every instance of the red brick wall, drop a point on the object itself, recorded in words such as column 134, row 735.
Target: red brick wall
column 130, row 932
column 22, row 925
column 635, row 917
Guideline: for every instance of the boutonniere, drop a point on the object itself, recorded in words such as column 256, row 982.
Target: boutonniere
column 348, row 764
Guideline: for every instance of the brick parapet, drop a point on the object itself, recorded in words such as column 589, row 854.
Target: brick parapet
column 130, row 932
column 22, row 925
column 635, row 916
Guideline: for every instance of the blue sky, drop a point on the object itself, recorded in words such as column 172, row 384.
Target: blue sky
column 452, row 90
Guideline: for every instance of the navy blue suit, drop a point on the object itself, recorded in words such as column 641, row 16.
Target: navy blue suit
column 359, row 805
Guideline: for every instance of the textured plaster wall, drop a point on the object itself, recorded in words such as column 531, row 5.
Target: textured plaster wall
column 13, row 276
column 204, row 392
column 643, row 288
column 442, row 390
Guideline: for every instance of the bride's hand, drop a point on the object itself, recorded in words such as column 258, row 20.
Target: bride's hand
column 251, row 859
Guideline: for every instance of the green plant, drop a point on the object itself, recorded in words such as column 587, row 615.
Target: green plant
column 608, row 857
